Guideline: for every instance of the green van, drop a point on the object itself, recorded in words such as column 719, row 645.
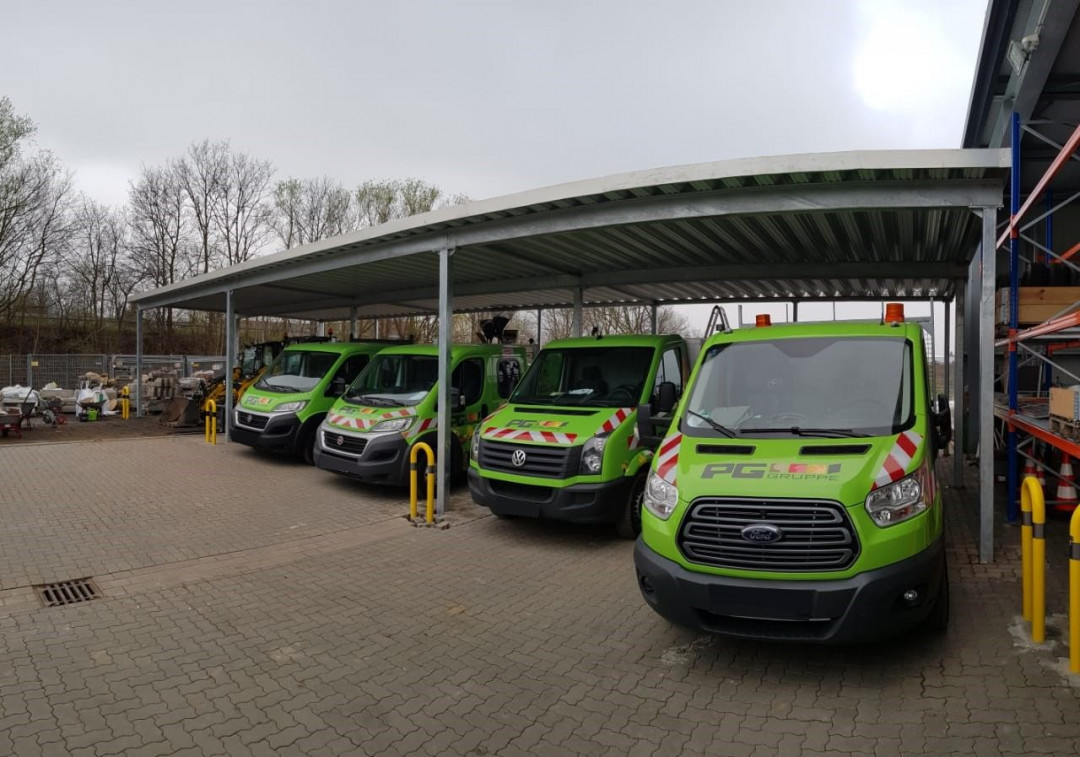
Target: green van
column 793, row 496
column 283, row 409
column 369, row 432
column 566, row 446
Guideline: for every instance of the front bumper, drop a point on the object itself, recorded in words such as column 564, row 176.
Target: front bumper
column 281, row 432
column 384, row 460
column 862, row 608
column 577, row 503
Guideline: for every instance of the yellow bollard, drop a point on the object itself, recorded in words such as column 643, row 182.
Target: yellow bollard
column 1033, row 491
column 210, row 412
column 125, row 403
column 416, row 449
column 1025, row 545
column 1074, row 592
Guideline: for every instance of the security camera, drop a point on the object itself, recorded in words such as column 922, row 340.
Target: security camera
column 1029, row 43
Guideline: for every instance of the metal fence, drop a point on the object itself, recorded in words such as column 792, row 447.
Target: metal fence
column 67, row 370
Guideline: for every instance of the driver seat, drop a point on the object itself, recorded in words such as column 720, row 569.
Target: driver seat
column 591, row 379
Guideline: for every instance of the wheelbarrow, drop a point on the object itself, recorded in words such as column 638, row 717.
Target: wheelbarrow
column 10, row 420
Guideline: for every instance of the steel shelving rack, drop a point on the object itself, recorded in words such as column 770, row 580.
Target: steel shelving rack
column 1025, row 415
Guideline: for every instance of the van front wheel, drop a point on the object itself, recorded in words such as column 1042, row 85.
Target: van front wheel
column 628, row 526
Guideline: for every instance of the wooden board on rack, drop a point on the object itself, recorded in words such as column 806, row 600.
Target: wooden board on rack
column 1038, row 304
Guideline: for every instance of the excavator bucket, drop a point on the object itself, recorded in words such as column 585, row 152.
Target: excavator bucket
column 181, row 412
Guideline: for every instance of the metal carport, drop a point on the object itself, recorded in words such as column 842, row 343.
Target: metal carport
column 853, row 225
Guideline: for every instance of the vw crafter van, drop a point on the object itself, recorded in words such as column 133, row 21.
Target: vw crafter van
column 793, row 496
column 566, row 446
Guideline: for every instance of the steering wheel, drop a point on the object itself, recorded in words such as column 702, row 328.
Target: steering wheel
column 626, row 389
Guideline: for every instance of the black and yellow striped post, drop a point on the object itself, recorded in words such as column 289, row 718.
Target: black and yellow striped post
column 125, row 403
column 1033, row 556
column 1074, row 592
column 210, row 413
column 430, row 455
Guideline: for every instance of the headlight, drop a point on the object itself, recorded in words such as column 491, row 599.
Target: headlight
column 290, row 407
column 898, row 501
column 592, row 457
column 474, row 448
column 394, row 424
column 660, row 496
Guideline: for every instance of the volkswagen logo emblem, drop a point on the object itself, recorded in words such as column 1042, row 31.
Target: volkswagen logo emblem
column 762, row 533
column 340, row 440
column 518, row 458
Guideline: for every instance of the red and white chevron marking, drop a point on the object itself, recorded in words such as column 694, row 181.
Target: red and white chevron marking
column 617, row 418
column 899, row 458
column 667, row 458
column 526, row 435
column 632, row 441
column 362, row 424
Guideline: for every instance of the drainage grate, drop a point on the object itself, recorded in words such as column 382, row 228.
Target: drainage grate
column 67, row 592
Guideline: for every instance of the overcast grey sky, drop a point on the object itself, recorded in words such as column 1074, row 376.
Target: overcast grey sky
column 483, row 97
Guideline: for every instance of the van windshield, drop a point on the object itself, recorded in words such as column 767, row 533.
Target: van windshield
column 599, row 376
column 815, row 386
column 394, row 381
column 297, row 371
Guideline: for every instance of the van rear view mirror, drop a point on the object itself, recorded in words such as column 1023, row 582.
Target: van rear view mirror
column 651, row 431
column 666, row 397
column 941, row 423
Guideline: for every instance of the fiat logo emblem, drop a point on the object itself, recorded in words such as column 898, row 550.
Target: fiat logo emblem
column 762, row 533
column 340, row 440
column 518, row 458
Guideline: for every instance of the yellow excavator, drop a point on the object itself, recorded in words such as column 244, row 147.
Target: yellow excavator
column 254, row 360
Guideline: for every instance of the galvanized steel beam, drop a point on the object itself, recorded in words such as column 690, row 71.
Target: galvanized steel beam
column 138, row 363
column 230, row 359
column 446, row 335
column 988, row 259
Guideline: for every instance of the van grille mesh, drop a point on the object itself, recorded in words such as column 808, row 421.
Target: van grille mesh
column 816, row 535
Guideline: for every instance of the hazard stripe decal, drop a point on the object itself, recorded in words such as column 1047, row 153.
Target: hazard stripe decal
column 617, row 418
column 899, row 458
column 667, row 458
column 525, row 435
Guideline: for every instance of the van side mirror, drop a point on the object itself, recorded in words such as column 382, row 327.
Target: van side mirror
column 457, row 400
column 651, row 431
column 337, row 387
column 941, row 422
column 666, row 397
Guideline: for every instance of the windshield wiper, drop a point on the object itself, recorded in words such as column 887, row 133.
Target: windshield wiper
column 799, row 431
column 714, row 425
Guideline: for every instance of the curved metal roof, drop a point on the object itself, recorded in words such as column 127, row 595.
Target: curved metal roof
column 861, row 225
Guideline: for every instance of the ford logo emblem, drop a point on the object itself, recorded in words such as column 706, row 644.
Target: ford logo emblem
column 762, row 533
column 518, row 458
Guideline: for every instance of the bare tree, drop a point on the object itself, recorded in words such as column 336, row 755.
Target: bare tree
column 631, row 319
column 243, row 211
column 202, row 175
column 160, row 244
column 311, row 209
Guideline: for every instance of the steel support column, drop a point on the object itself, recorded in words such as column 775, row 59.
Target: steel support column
column 446, row 335
column 230, row 358
column 1011, row 475
column 579, row 300
column 652, row 319
column 946, row 388
column 985, row 374
column 539, row 327
column 958, row 387
column 138, row 363
column 352, row 324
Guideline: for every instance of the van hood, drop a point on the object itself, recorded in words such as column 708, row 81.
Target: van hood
column 350, row 417
column 561, row 426
column 263, row 402
column 843, row 470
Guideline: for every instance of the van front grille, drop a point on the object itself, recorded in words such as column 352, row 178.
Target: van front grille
column 341, row 443
column 814, row 535
column 251, row 420
column 540, row 460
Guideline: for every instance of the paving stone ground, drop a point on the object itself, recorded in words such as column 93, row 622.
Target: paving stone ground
column 257, row 606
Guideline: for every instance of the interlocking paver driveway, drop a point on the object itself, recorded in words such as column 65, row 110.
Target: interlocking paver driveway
column 259, row 607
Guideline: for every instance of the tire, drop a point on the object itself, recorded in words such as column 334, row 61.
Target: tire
column 307, row 443
column 628, row 526
column 937, row 622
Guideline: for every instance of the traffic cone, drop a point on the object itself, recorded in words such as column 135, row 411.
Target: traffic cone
column 1040, row 469
column 1029, row 470
column 1065, row 499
